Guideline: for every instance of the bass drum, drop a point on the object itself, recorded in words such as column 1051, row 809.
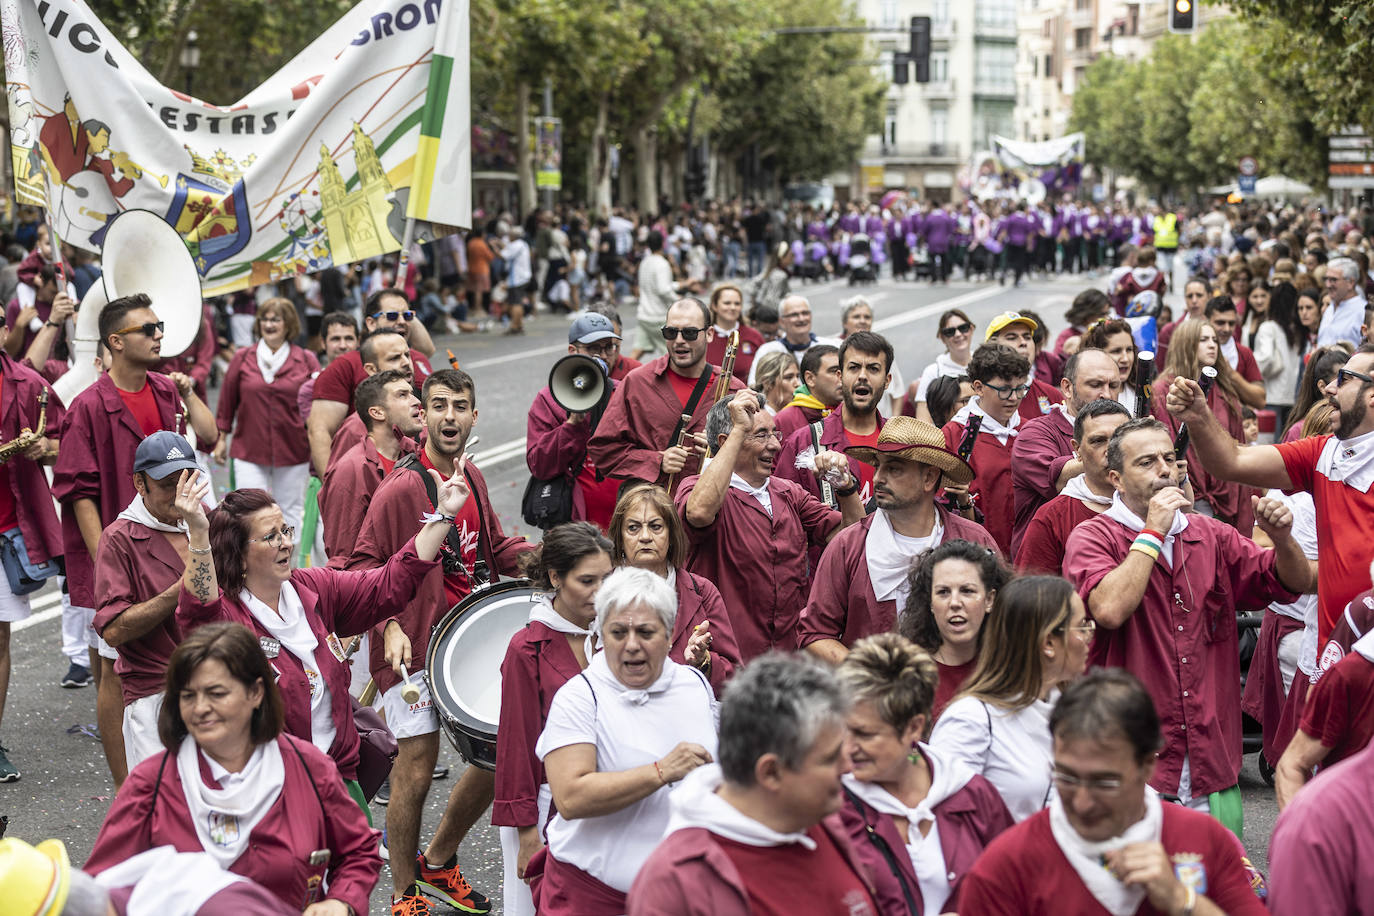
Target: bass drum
column 463, row 665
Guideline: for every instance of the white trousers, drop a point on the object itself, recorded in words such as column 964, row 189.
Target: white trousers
column 286, row 484
column 515, row 892
column 76, row 621
column 140, row 729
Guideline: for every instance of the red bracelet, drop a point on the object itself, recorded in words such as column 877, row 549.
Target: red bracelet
column 660, row 773
column 1158, row 534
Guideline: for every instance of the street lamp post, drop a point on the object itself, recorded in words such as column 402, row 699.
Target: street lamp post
column 190, row 58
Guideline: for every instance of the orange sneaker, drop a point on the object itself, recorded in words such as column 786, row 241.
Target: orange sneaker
column 449, row 885
column 411, row 904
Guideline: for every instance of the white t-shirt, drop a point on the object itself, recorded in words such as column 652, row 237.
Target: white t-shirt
column 628, row 731
column 1012, row 750
column 1305, row 608
column 943, row 365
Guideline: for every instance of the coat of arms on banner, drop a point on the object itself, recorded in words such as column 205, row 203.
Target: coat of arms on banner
column 206, row 206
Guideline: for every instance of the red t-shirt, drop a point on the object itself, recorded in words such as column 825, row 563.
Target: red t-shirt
column 789, row 879
column 682, row 386
column 952, row 678
column 866, row 470
column 1042, row 546
column 598, row 495
column 143, row 406
column 387, row 463
column 340, row 378
column 1340, row 708
column 9, row 513
column 458, row 584
column 1343, row 541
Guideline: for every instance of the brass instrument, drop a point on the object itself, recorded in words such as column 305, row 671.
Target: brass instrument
column 131, row 169
column 727, row 369
column 27, row 437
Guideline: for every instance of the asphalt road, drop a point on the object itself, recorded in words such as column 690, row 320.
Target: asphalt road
column 66, row 790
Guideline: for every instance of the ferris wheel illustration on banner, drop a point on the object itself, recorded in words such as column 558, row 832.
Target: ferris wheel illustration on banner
column 302, row 221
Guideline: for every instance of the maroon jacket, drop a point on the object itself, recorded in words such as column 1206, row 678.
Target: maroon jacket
column 639, row 422
column 345, row 494
column 268, row 430
column 699, row 601
column 690, row 875
column 1038, row 454
column 1039, row 399
column 350, row 432
column 150, row 810
column 793, row 417
column 968, row 821
column 991, row 486
column 554, row 449
column 335, row 601
column 28, row 482
column 99, row 438
column 833, row 437
column 135, row 564
column 842, row 604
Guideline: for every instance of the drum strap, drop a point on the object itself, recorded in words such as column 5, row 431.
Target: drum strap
column 485, row 567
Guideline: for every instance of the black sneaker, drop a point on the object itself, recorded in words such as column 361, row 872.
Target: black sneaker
column 383, row 795
column 440, row 772
column 8, row 771
column 77, row 676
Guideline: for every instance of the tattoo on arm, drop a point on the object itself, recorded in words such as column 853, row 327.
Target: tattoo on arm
column 201, row 578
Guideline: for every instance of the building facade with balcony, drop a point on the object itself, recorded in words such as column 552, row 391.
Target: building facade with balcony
column 932, row 130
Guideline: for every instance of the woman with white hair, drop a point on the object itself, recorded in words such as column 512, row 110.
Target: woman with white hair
column 618, row 738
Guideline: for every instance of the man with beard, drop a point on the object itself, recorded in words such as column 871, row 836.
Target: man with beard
column 1162, row 587
column 748, row 529
column 820, row 374
column 861, row 581
column 1338, row 470
column 637, row 436
column 794, row 314
column 383, row 350
column 94, row 476
column 399, row 508
column 865, row 370
column 1042, row 456
column 386, row 402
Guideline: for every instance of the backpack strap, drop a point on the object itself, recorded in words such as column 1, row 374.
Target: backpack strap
column 484, row 568
column 881, row 844
column 827, row 491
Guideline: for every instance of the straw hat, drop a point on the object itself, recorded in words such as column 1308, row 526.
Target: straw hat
column 34, row 880
column 914, row 440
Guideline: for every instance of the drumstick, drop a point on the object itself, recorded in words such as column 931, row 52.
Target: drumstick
column 409, row 692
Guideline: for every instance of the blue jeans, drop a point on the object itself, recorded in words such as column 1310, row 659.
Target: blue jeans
column 757, row 252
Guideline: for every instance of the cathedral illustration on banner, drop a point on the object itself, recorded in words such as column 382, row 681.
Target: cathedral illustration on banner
column 357, row 221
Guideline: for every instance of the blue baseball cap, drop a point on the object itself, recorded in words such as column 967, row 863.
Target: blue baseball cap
column 590, row 328
column 164, row 453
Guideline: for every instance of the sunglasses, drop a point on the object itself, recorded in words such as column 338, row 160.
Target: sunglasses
column 1345, row 375
column 147, row 330
column 393, row 316
column 964, row 328
column 687, row 333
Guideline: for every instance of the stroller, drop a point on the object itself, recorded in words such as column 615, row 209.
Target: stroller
column 860, row 264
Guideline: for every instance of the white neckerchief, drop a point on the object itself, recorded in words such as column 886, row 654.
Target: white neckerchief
column 1003, row 433
column 291, row 628
column 542, row 611
column 1118, row 512
column 759, row 493
column 1349, row 461
column 1228, row 350
column 138, row 513
column 269, row 363
column 1078, row 488
column 694, row 803
column 224, row 818
column 889, row 560
column 168, row 883
column 1086, row 857
column 599, row 670
column 946, row 777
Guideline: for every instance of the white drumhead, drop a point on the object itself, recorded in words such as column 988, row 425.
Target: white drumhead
column 468, row 663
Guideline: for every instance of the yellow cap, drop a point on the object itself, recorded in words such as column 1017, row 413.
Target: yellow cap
column 1005, row 320
column 33, row 880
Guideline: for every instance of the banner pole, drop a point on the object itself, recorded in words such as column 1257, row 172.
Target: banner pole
column 403, row 261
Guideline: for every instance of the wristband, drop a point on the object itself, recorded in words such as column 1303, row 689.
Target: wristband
column 1189, row 901
column 1150, row 540
column 849, row 490
column 1149, row 551
column 198, row 550
column 436, row 517
column 660, row 773
column 53, row 324
column 1159, row 535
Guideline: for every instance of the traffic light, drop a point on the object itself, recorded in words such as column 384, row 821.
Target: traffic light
column 1182, row 15
column 900, row 72
column 695, row 182
column 920, row 47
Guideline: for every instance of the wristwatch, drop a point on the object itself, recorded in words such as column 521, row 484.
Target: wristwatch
column 849, row 490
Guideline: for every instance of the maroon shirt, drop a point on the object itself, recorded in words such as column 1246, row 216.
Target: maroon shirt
column 758, row 562
column 28, row 483
column 1356, row 620
column 623, row 367
column 1024, row 873
column 1182, row 641
column 150, row 811
column 555, row 449
column 334, row 601
column 350, row 432
column 538, row 661
column 345, row 494
column 749, row 342
column 1038, row 401
column 698, row 601
column 268, row 430
column 99, row 438
column 794, row 417
column 842, row 604
column 340, row 378
column 1039, row 452
column 1340, row 708
column 639, row 422
column 968, row 821
column 135, row 564
column 198, row 359
column 1230, row 501
column 991, row 487
column 1042, row 545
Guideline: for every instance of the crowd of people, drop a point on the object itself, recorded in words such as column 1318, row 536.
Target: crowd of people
column 807, row 638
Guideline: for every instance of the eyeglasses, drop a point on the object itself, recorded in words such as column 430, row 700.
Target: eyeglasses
column 762, row 438
column 965, row 328
column 1087, row 627
column 393, row 316
column 601, row 347
column 147, row 330
column 1008, row 392
column 1345, row 375
column 275, row 538
column 688, row 334
column 1097, row 785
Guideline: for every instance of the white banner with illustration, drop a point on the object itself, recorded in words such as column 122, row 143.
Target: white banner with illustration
column 320, row 165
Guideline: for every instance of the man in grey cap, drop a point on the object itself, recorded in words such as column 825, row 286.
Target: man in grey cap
column 556, row 440
column 138, row 568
